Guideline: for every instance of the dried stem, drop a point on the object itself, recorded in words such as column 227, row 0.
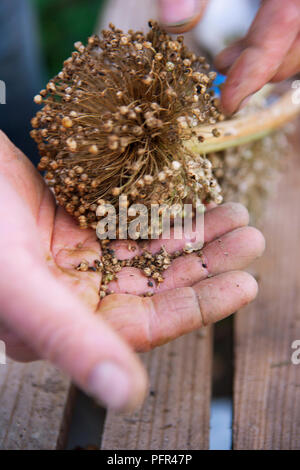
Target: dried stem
column 242, row 130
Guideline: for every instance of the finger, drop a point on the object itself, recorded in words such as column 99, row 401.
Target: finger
column 179, row 16
column 226, row 58
column 60, row 329
column 210, row 205
column 217, row 221
column 34, row 196
column 16, row 348
column 270, row 37
column 223, row 219
column 233, row 251
column 291, row 64
column 45, row 315
column 159, row 319
column 69, row 245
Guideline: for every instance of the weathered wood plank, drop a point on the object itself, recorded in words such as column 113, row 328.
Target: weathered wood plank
column 34, row 400
column 176, row 413
column 267, row 384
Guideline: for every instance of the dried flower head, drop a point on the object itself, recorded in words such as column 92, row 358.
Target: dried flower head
column 114, row 121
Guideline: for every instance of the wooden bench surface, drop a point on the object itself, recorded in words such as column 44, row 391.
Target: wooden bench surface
column 176, row 412
column 267, row 384
column 34, row 404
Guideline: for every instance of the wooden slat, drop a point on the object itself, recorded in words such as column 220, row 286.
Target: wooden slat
column 34, row 400
column 267, row 384
column 176, row 413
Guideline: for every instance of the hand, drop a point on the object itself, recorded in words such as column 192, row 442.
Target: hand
column 270, row 52
column 49, row 310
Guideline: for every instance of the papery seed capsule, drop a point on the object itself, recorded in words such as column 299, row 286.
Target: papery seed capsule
column 140, row 183
column 71, row 143
column 147, row 80
column 108, row 126
column 138, row 131
column 176, row 165
column 170, row 66
column 38, row 99
column 132, row 115
column 162, row 176
column 78, row 170
column 116, row 191
column 124, row 141
column 113, row 142
column 67, row 122
column 124, row 110
column 216, row 133
column 133, row 193
column 93, row 149
column 51, row 86
column 124, row 40
column 34, row 122
column 148, row 179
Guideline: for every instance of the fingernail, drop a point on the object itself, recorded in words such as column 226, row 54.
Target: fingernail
column 244, row 103
column 177, row 13
column 110, row 384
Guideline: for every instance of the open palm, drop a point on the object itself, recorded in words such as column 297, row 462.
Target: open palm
column 51, row 310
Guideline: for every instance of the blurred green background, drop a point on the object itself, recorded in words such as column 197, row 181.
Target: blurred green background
column 62, row 22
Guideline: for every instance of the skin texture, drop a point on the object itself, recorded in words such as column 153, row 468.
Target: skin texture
column 50, row 310
column 270, row 52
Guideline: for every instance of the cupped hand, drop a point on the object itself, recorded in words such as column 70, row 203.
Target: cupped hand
column 50, row 310
column 270, row 52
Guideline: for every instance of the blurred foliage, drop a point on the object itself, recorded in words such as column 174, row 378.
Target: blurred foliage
column 63, row 22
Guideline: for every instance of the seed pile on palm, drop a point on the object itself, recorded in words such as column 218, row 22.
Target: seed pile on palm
column 115, row 119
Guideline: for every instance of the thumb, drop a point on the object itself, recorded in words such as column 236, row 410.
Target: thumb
column 59, row 328
column 53, row 322
column 43, row 313
column 179, row 16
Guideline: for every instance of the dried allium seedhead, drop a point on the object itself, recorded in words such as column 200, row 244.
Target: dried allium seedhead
column 115, row 120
